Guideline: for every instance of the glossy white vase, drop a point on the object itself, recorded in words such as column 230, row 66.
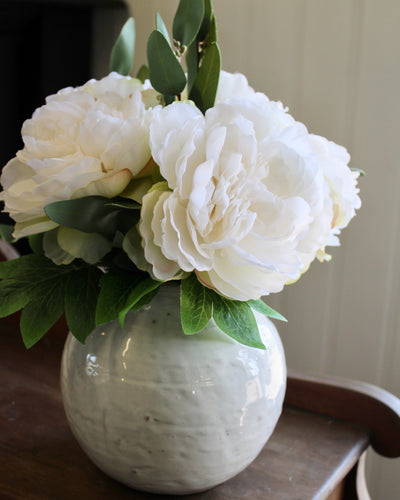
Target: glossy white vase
column 168, row 413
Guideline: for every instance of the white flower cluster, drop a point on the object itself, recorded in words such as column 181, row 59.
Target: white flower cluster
column 249, row 197
column 90, row 140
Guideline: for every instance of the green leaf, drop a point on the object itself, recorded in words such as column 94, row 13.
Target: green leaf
column 361, row 172
column 32, row 269
column 192, row 64
column 160, row 26
column 143, row 73
column 196, row 305
column 166, row 74
column 36, row 242
column 263, row 308
column 9, row 267
column 12, row 297
column 168, row 99
column 205, row 85
column 92, row 214
column 146, row 299
column 123, row 51
column 142, row 289
column 90, row 247
column 187, row 21
column 205, row 25
column 6, row 232
column 40, row 314
column 115, row 288
column 124, row 203
column 81, row 293
column 213, row 33
column 237, row 320
column 52, row 249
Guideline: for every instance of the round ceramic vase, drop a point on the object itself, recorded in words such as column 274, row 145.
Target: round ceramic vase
column 168, row 413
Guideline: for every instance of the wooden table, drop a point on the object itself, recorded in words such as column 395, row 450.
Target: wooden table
column 313, row 454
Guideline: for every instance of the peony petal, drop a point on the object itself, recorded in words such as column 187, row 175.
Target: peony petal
column 109, row 186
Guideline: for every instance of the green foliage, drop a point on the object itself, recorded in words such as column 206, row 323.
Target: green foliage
column 36, row 243
column 12, row 298
column 196, row 305
column 235, row 318
column 81, row 293
column 41, row 312
column 6, row 231
column 194, row 33
column 192, row 63
column 143, row 73
column 123, row 51
column 160, row 26
column 121, row 291
column 36, row 285
column 141, row 294
column 94, row 214
column 263, row 308
column 124, row 203
column 44, row 291
column 205, row 85
column 165, row 72
column 187, row 21
column 207, row 20
column 115, row 288
column 361, row 172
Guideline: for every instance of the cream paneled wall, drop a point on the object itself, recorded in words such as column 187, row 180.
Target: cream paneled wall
column 336, row 65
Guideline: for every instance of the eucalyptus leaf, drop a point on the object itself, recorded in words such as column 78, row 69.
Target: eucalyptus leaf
column 143, row 73
column 205, row 86
column 207, row 18
column 213, row 33
column 160, row 26
column 123, row 51
column 165, row 72
column 81, row 293
column 196, row 305
column 6, row 232
column 187, row 21
column 237, row 320
column 192, row 63
column 263, row 308
column 168, row 99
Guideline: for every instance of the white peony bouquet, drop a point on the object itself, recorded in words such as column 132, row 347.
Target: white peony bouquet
column 126, row 183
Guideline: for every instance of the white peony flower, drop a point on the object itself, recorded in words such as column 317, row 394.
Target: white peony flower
column 233, row 85
column 251, row 196
column 90, row 140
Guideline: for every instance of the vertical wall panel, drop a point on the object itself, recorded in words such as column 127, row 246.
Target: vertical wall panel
column 336, row 64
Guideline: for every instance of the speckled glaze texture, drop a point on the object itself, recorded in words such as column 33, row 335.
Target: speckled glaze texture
column 168, row 413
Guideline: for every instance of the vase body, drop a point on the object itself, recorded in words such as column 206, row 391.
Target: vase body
column 168, row 413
